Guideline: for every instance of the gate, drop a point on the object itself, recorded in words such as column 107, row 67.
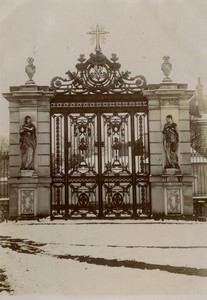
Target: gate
column 99, row 142
column 199, row 164
column 4, row 191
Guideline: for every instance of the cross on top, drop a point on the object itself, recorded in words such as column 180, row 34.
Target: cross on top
column 97, row 34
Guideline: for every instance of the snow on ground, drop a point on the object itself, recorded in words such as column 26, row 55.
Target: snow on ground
column 104, row 257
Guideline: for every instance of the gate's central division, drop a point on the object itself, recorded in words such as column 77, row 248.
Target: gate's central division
column 99, row 145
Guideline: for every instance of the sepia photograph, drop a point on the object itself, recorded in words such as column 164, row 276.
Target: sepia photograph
column 103, row 149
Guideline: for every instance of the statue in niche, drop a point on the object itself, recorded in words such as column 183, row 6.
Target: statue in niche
column 28, row 143
column 170, row 142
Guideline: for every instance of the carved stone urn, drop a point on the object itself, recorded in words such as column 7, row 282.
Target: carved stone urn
column 166, row 67
column 30, row 69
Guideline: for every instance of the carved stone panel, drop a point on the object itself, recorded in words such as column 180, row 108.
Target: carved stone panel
column 173, row 201
column 27, row 202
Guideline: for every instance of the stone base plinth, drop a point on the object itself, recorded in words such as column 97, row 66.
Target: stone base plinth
column 29, row 197
column 27, row 218
column 172, row 195
column 28, row 173
column 171, row 171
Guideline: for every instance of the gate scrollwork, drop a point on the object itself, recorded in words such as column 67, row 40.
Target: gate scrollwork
column 98, row 75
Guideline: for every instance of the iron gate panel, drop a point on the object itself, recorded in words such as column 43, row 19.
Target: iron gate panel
column 142, row 164
column 82, row 164
column 116, row 166
column 100, row 164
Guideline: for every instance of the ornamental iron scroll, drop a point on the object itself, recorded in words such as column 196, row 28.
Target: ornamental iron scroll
column 98, row 75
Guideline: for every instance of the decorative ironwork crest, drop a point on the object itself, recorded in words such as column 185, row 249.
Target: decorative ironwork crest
column 98, row 75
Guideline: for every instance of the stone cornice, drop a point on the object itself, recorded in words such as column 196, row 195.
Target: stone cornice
column 172, row 97
column 28, row 93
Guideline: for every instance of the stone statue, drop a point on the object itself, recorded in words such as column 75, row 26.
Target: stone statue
column 28, row 142
column 170, row 142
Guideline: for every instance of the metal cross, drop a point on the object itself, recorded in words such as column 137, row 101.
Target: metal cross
column 97, row 34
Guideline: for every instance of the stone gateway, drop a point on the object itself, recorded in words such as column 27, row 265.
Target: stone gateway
column 100, row 144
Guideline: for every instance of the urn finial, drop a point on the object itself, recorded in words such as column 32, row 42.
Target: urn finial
column 30, row 69
column 166, row 67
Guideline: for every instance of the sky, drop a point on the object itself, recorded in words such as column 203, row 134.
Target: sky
column 141, row 32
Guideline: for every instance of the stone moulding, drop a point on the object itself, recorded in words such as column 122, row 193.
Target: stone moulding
column 98, row 104
column 164, row 102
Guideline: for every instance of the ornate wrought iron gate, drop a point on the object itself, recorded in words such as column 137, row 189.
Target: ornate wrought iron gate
column 99, row 143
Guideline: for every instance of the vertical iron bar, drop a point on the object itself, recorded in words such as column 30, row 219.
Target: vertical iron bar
column 57, row 158
column 195, row 174
column 143, row 200
column 58, row 144
column 100, row 215
column 65, row 140
column 7, row 173
column 200, row 174
column 0, row 172
column 1, row 175
column 134, row 215
column 141, row 143
column 51, row 164
column 58, row 199
column 4, row 177
column 203, row 176
column 149, row 162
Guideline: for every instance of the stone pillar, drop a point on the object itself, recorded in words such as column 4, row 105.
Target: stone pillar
column 172, row 193
column 29, row 190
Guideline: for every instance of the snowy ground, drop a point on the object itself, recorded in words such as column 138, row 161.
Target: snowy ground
column 103, row 258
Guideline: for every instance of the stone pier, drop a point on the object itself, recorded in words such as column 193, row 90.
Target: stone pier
column 171, row 190
column 29, row 190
